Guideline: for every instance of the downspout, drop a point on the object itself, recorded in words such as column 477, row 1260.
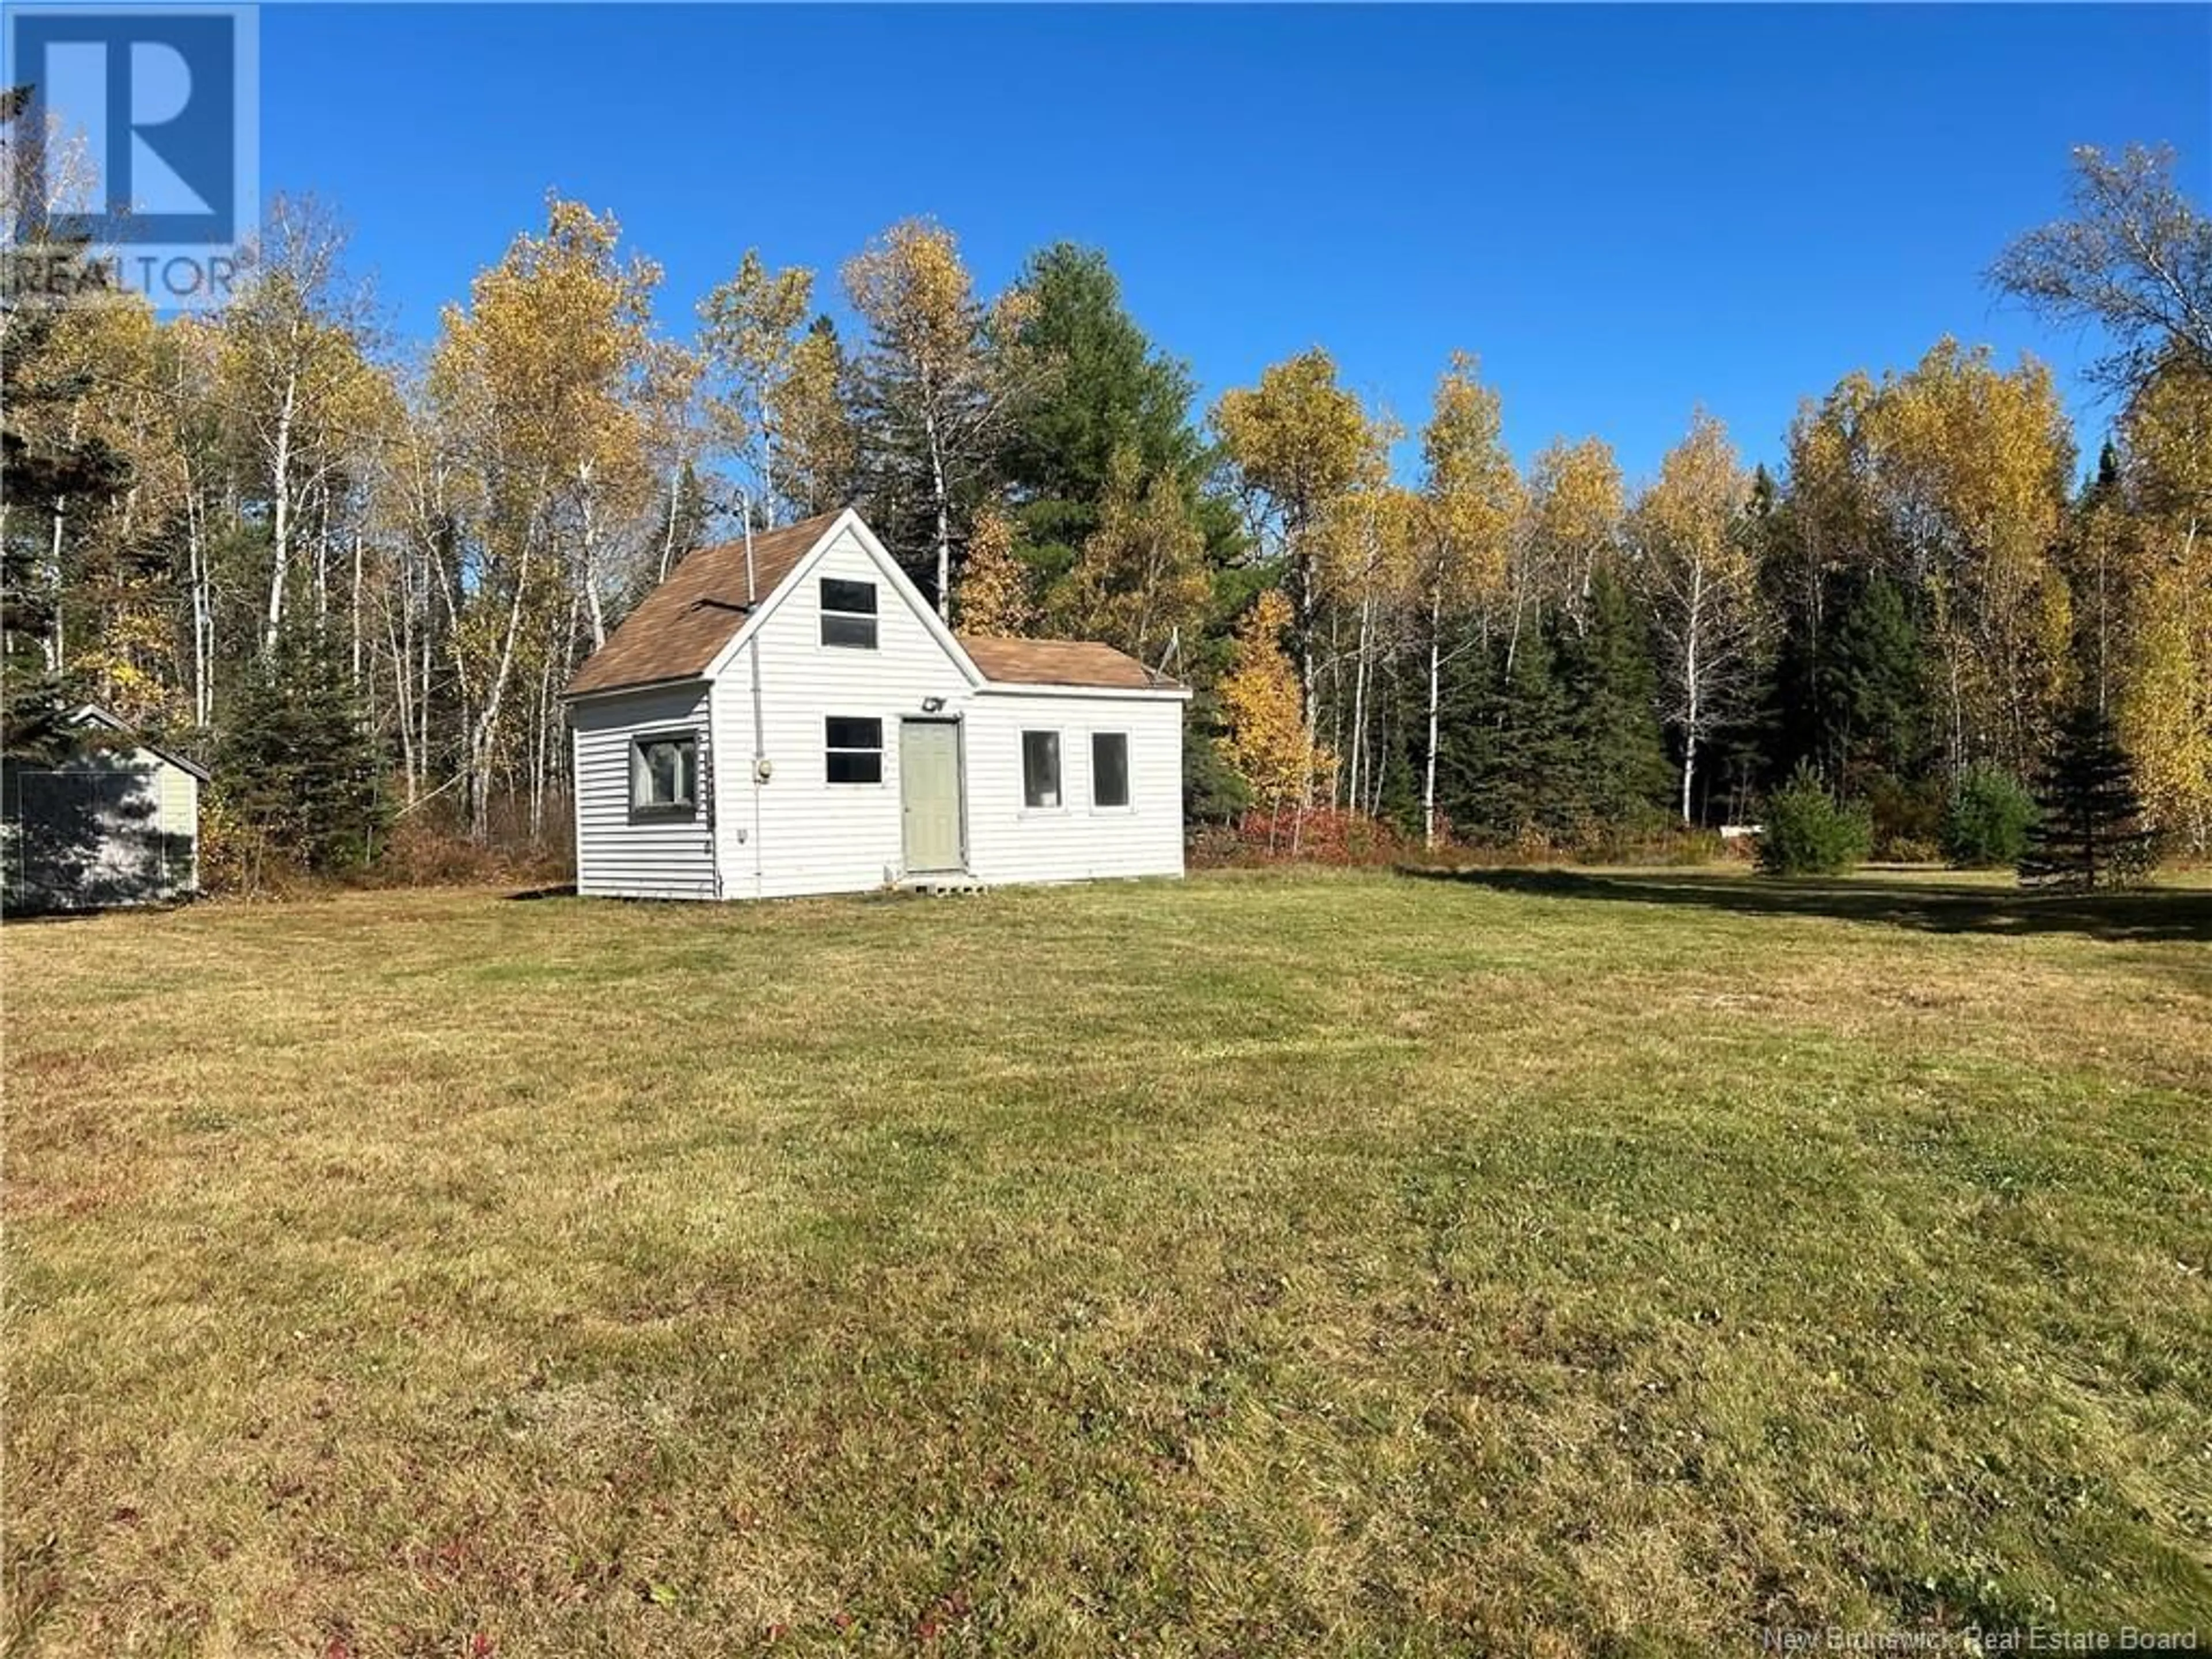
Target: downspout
column 760, row 744
column 710, row 795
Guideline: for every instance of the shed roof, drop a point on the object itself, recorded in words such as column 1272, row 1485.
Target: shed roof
column 1061, row 662
column 678, row 630
column 93, row 714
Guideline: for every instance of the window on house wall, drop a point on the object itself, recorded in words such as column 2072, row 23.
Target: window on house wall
column 663, row 773
column 848, row 613
column 1109, row 768
column 1040, row 768
column 853, row 748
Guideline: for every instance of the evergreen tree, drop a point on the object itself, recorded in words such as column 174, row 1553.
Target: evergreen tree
column 1987, row 820
column 1212, row 789
column 1112, row 395
column 1507, row 745
column 1848, row 693
column 1808, row 832
column 1872, row 687
column 295, row 769
column 1621, row 776
column 1113, row 390
column 2088, row 830
column 1396, row 793
column 45, row 467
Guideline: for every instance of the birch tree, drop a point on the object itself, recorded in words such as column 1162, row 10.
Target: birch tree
column 810, row 409
column 1470, row 499
column 943, row 374
column 752, row 328
column 295, row 358
column 538, row 379
column 1575, row 507
column 2163, row 692
column 2134, row 258
column 1296, row 443
column 1366, row 546
column 1695, row 569
column 1139, row 582
column 1969, row 466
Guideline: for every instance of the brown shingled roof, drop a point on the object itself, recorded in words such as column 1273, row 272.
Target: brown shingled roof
column 1061, row 662
column 680, row 627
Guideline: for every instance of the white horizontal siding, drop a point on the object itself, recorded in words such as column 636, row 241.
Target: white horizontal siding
column 815, row 836
column 1010, row 842
column 180, row 827
column 798, row 833
column 618, row 857
column 105, row 827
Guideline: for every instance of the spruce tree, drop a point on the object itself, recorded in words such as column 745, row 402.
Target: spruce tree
column 295, row 767
column 1875, row 690
column 45, row 468
column 2088, row 830
column 1618, row 770
column 1509, row 749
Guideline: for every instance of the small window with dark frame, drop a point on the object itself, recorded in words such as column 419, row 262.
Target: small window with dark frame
column 663, row 773
column 1109, row 768
column 1040, row 768
column 848, row 613
column 853, row 748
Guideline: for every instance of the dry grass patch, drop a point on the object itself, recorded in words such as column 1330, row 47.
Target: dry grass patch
column 1264, row 1263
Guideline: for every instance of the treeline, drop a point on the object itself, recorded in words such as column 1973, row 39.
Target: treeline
column 356, row 578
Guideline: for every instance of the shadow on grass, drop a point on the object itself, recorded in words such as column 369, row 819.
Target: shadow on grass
column 2153, row 915
column 566, row 890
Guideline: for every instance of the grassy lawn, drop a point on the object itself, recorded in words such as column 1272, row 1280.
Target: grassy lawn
column 1546, row 1263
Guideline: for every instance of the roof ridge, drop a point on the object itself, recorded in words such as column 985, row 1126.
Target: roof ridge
column 675, row 632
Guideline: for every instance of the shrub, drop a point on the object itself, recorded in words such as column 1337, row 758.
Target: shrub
column 1662, row 844
column 1908, row 818
column 1808, row 833
column 1988, row 819
column 1324, row 835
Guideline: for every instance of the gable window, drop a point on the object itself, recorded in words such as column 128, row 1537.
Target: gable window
column 849, row 614
column 1109, row 768
column 663, row 773
column 1040, row 768
column 852, row 750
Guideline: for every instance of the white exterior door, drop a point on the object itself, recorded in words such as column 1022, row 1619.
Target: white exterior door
column 930, row 795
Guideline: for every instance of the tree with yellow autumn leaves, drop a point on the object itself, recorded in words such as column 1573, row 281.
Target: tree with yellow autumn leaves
column 1916, row 589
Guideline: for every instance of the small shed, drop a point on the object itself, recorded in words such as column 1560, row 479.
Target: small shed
column 116, row 823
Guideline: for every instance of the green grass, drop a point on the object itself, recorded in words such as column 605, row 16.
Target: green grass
column 1263, row 1264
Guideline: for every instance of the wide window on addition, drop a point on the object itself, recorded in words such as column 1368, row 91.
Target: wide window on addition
column 1109, row 768
column 1040, row 768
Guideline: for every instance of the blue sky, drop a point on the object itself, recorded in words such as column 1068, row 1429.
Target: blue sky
column 1624, row 212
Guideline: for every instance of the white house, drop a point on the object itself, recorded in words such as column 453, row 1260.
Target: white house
column 791, row 717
